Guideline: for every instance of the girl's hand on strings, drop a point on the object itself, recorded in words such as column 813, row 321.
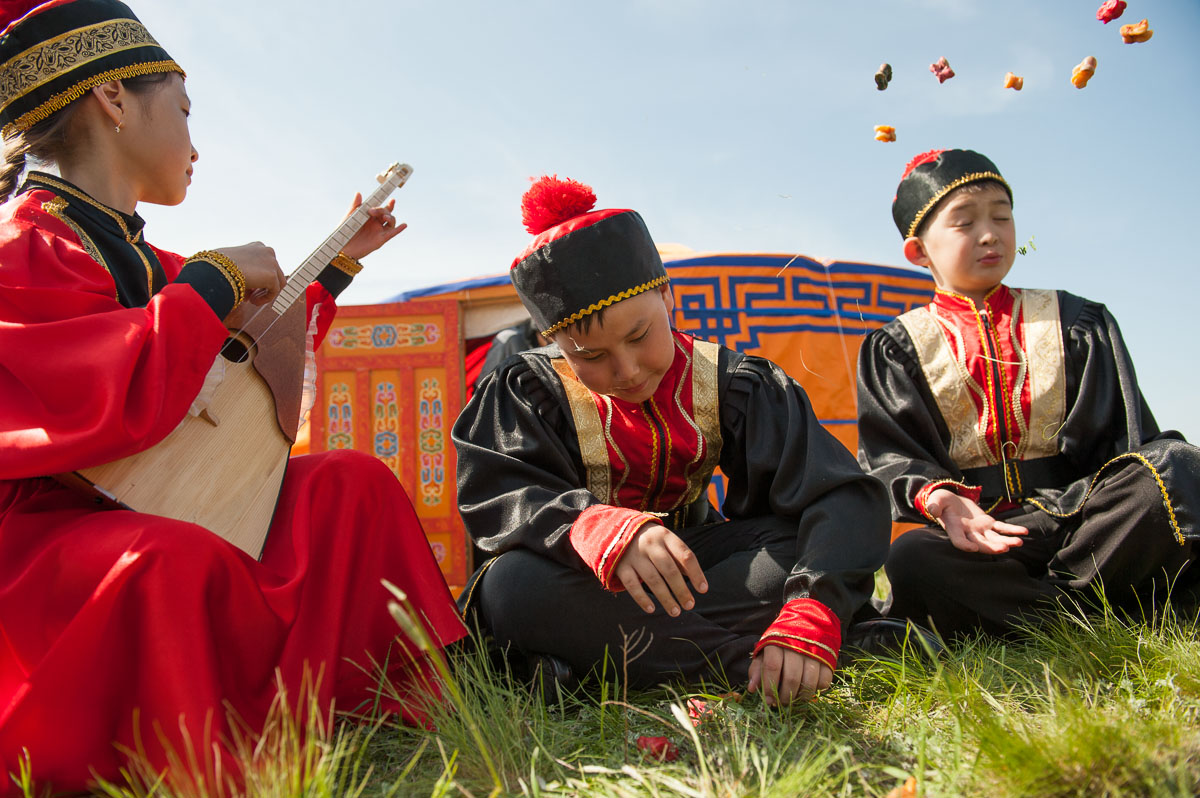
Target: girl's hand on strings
column 264, row 279
column 659, row 559
column 969, row 527
column 379, row 229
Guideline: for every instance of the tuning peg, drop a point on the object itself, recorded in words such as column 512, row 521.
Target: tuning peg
column 379, row 178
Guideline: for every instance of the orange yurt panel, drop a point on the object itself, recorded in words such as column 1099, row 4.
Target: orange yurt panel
column 807, row 316
column 389, row 383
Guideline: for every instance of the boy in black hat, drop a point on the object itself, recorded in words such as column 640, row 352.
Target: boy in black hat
column 1010, row 422
column 584, row 466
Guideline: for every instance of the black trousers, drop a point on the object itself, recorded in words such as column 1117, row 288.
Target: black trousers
column 1122, row 539
column 536, row 605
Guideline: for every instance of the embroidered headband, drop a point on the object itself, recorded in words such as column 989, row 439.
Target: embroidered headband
column 54, row 53
column 932, row 175
column 581, row 260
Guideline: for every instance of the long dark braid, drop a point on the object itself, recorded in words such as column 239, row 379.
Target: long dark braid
column 15, row 150
column 42, row 142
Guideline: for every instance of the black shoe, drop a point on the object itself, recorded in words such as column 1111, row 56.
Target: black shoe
column 889, row 637
column 551, row 676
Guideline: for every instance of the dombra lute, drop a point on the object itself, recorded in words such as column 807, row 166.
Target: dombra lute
column 223, row 468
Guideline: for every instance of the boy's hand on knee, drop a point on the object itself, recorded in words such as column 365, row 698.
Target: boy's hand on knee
column 969, row 527
column 658, row 558
column 784, row 676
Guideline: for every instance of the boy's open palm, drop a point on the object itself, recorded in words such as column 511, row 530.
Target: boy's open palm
column 657, row 559
column 969, row 527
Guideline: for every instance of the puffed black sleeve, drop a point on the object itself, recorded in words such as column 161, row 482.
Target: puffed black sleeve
column 780, row 461
column 519, row 480
column 1107, row 414
column 902, row 440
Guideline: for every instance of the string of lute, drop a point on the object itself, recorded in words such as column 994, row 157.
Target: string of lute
column 316, row 262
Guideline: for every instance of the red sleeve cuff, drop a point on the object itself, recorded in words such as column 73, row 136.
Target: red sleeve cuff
column 325, row 303
column 600, row 536
column 808, row 627
column 921, row 501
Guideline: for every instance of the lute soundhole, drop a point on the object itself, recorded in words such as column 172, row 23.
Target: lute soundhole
column 238, row 348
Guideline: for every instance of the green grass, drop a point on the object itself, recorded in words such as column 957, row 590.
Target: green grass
column 1090, row 707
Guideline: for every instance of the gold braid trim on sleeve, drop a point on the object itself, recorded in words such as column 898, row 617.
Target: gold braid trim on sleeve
column 344, row 263
column 788, row 641
column 929, row 487
column 226, row 267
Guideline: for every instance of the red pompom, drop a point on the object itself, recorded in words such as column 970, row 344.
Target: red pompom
column 550, row 201
column 924, row 157
column 12, row 10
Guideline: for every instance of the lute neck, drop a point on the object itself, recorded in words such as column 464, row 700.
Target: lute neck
column 300, row 279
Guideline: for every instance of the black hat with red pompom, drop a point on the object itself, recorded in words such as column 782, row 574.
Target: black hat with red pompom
column 581, row 260
column 54, row 51
column 932, row 175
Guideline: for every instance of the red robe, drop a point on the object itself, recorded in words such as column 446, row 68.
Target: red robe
column 114, row 618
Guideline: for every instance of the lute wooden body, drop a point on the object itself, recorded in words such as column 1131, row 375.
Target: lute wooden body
column 222, row 469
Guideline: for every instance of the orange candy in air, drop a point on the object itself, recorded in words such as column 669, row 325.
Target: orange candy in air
column 1083, row 72
column 1014, row 82
column 1136, row 32
column 885, row 133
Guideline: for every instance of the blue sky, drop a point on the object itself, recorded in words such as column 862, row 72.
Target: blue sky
column 731, row 127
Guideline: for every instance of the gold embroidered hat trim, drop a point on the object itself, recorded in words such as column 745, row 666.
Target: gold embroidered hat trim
column 973, row 177
column 63, row 99
column 603, row 303
column 51, row 59
column 58, row 52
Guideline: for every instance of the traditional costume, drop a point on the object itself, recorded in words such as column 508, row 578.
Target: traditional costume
column 1026, row 403
column 554, row 481
column 120, row 628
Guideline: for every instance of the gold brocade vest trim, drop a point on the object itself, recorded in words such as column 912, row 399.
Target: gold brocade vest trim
column 966, row 406
column 707, row 412
column 605, row 477
column 56, row 207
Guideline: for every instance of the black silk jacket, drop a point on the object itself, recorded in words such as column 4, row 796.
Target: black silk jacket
column 904, row 441
column 521, row 479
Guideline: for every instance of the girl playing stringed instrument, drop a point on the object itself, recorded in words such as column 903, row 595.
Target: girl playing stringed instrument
column 118, row 626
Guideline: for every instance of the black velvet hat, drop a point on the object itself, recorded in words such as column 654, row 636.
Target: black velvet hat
column 932, row 175
column 53, row 53
column 582, row 260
